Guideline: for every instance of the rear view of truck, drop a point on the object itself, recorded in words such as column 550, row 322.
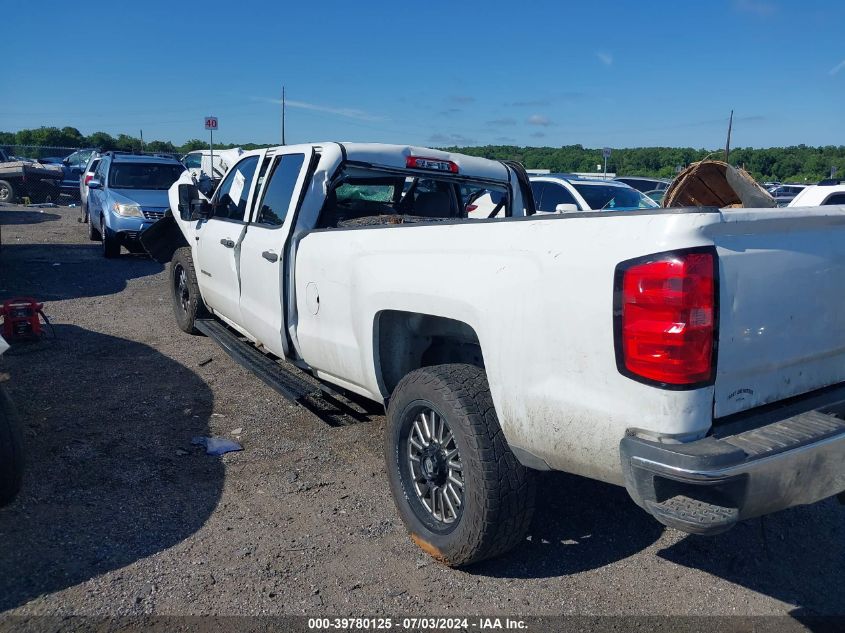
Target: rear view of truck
column 759, row 318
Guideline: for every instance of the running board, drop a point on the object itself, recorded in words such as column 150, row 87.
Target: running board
column 326, row 403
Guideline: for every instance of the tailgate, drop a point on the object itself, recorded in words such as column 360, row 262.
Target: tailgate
column 782, row 304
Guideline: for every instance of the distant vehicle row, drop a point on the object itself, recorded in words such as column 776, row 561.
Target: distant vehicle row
column 565, row 193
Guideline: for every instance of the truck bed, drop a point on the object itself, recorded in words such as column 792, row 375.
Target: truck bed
column 538, row 293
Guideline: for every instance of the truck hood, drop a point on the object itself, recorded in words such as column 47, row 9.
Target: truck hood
column 782, row 304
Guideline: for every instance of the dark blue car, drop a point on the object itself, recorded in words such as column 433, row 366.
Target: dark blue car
column 72, row 168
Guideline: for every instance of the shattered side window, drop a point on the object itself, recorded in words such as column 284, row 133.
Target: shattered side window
column 348, row 192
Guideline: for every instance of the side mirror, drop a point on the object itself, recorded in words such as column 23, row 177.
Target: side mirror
column 566, row 208
column 94, row 184
column 200, row 209
column 191, row 205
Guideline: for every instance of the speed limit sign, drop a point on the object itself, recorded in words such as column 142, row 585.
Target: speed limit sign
column 211, row 123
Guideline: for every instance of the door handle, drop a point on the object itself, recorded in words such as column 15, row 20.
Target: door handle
column 270, row 256
column 227, row 243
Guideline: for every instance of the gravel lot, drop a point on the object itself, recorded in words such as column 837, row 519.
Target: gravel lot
column 121, row 515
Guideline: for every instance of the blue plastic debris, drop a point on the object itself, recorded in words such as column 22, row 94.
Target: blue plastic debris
column 216, row 445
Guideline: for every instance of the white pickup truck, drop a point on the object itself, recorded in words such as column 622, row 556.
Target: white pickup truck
column 695, row 356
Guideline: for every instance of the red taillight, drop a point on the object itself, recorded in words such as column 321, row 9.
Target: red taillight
column 471, row 208
column 666, row 318
column 88, row 178
column 433, row 164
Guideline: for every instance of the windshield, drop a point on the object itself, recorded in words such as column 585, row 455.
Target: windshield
column 150, row 176
column 613, row 197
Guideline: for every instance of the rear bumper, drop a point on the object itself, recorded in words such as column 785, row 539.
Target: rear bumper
column 748, row 468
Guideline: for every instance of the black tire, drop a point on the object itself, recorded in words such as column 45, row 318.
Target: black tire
column 498, row 492
column 185, row 291
column 7, row 191
column 93, row 234
column 111, row 245
column 11, row 450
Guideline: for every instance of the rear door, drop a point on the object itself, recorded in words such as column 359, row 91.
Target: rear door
column 262, row 252
column 219, row 238
column 782, row 304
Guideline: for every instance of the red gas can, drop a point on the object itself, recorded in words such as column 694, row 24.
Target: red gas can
column 21, row 319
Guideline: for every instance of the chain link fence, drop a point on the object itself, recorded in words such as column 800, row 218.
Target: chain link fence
column 38, row 174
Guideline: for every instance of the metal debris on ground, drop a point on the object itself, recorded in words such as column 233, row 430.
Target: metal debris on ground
column 216, row 445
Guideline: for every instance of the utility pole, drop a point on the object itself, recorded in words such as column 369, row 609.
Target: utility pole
column 142, row 141
column 728, row 142
column 283, row 115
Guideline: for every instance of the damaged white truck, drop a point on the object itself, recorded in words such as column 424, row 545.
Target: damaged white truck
column 695, row 356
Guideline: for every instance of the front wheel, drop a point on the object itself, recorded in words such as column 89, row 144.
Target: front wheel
column 187, row 300
column 111, row 245
column 93, row 233
column 7, row 191
column 458, row 488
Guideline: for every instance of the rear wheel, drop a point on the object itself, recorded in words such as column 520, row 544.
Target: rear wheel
column 7, row 191
column 111, row 245
column 185, row 291
column 458, row 488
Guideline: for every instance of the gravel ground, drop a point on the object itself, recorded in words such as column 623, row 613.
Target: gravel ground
column 120, row 514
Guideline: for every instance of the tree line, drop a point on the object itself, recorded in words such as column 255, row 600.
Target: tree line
column 70, row 137
column 797, row 163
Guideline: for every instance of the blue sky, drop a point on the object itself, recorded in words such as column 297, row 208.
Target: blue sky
column 619, row 74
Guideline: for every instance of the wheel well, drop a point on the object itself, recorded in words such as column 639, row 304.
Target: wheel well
column 405, row 341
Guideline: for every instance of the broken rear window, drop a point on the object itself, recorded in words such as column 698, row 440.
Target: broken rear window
column 362, row 196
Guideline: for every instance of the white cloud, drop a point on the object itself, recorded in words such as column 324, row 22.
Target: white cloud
column 450, row 139
column 349, row 113
column 837, row 68
column 605, row 58
column 539, row 119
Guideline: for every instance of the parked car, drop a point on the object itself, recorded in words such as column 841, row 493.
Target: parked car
column 827, row 192
column 582, row 342
column 656, row 195
column 72, row 168
column 644, row 184
column 565, row 193
column 128, row 193
column 198, row 162
column 555, row 193
column 784, row 194
column 86, row 176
